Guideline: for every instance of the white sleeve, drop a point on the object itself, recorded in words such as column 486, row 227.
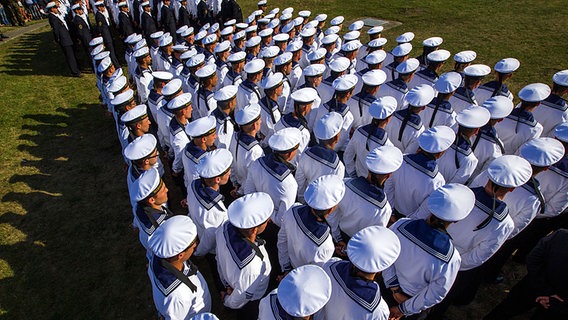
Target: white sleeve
column 483, row 250
column 349, row 156
column 556, row 203
column 178, row 144
column 283, row 256
column 249, row 186
column 528, row 210
column 245, row 287
column 301, row 178
column 464, row 172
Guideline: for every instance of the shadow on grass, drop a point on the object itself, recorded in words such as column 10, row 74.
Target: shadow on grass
column 79, row 258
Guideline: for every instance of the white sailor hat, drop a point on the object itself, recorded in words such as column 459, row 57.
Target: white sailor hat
column 239, row 35
column 274, row 23
column 420, row 95
column 275, row 11
column 214, row 28
column 465, row 56
column 99, row 3
column 534, row 92
column 196, row 60
column 373, row 249
column 204, row 316
column 351, row 35
column 205, row 27
column 311, row 24
column 402, row 50
column 375, row 30
column 374, row 78
column 285, row 16
column 314, row 70
column 345, row 82
column 284, row 58
column 200, row 35
column 149, row 183
column 507, row 65
column 179, row 102
column 173, row 236
column 383, row 107
column 329, row 39
column 266, row 32
column 261, row 3
column 509, row 171
column 253, row 42
column 288, row 27
column 285, row 140
column 180, row 48
column 214, row 163
column 438, row 55
column 339, row 64
column 105, row 64
column 272, row 81
column 269, row 52
column 317, row 54
column 141, row 49
column 141, row 147
column 50, row 5
column 226, row 93
column 135, row 114
column 210, row 39
column 297, row 21
column 436, row 139
column 201, row 127
column 305, row 13
column 405, row 37
column 561, row 132
column 241, row 25
column 289, row 10
column 357, row 25
column 117, row 84
column 448, row 82
column 477, row 70
column 451, row 202
column 384, row 159
column 231, row 22
column 337, row 20
column 298, row 298
column 223, row 46
column 101, row 55
column 188, row 55
column 165, row 40
column 307, row 32
column 408, row 66
column 304, row 95
column 499, row 106
column 248, row 114
column 321, row 17
column 351, row 46
column 294, row 46
column 281, row 37
column 432, row 42
column 237, row 56
column 96, row 41
column 250, row 29
column 377, row 43
column 78, row 6
column 328, row 126
column 181, row 29
column 227, row 31
column 473, row 117
column 265, row 20
column 254, row 66
column 561, row 78
column 542, row 152
column 325, row 192
column 162, row 75
column 375, row 57
column 122, row 4
column 258, row 12
column 98, row 49
column 157, row 35
column 172, row 87
column 331, row 30
column 145, row 3
column 250, row 210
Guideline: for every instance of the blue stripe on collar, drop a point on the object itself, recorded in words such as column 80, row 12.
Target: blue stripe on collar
column 147, row 225
column 414, row 120
column 422, row 163
column 241, row 252
column 379, row 136
column 373, row 194
column 276, row 169
column 432, row 241
column 207, row 197
column 523, row 116
column 166, row 281
column 288, row 120
column 324, row 156
column 484, row 202
column 316, row 231
column 556, row 102
column 193, row 152
column 246, row 141
column 365, row 293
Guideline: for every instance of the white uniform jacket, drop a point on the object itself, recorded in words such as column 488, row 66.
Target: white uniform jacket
column 458, row 162
column 163, row 62
column 487, row 147
column 396, row 89
column 190, row 158
column 408, row 141
column 462, row 99
column 270, row 115
column 485, row 91
column 365, row 138
column 314, row 163
column 519, row 127
column 205, row 103
column 147, row 226
column 144, row 81
column 444, row 115
column 247, row 93
column 163, row 119
column 552, row 111
column 245, row 150
column 343, row 110
column 423, row 76
column 554, row 187
column 225, row 129
column 178, row 142
column 359, row 107
column 287, row 121
column 524, row 205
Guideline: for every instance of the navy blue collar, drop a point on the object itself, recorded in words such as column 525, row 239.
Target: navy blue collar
column 339, row 107
column 556, row 101
column 365, row 293
column 432, row 241
column 398, row 84
column 370, row 192
column 147, row 226
column 484, row 202
column 522, row 116
column 207, row 197
column 315, row 230
column 275, row 168
column 444, row 105
column 240, row 250
column 246, row 140
column 288, row 120
column 325, row 156
column 422, row 163
column 167, row 282
column 377, row 135
column 277, row 311
column 561, row 166
column 491, row 85
column 193, row 152
column 413, row 119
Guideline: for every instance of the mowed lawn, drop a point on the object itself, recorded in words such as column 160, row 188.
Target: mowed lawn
column 66, row 249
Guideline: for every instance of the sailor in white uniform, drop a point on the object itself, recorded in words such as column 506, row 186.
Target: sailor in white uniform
column 244, row 146
column 521, row 126
column 459, row 162
column 143, row 155
column 295, row 299
column 136, row 120
column 222, row 50
column 429, row 75
column 398, row 88
column 313, row 76
column 149, row 195
column 439, row 111
column 122, row 103
column 418, row 176
column 504, row 70
column 428, row 262
column 337, row 68
column 430, row 45
column 365, row 202
column 234, row 75
column 465, row 95
column 270, row 114
column 372, row 61
column 155, row 46
column 179, row 289
column 191, row 83
column 400, row 54
column 226, row 99
column 181, row 107
column 321, row 159
column 375, row 43
column 360, row 102
column 249, row 92
column 462, row 60
column 554, row 109
column 205, row 103
column 155, row 97
column 164, row 115
column 305, row 236
column 295, row 48
column 209, row 44
column 163, row 60
column 202, row 136
column 143, row 74
column 283, row 64
column 242, row 259
column 204, row 201
column 355, row 294
column 406, row 124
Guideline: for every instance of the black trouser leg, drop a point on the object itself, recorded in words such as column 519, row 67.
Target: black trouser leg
column 519, row 300
column 71, row 60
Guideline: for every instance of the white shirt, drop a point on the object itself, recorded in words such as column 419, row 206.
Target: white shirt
column 178, row 141
column 445, row 116
column 359, row 107
column 247, row 93
column 163, row 118
column 487, row 148
column 191, row 155
column 518, row 128
column 245, row 150
column 225, row 129
column 360, row 144
column 550, row 113
column 268, row 121
column 205, row 104
column 524, row 206
column 288, row 120
column 314, row 163
column 343, row 110
column 462, row 99
column 466, row 160
column 396, row 89
column 554, row 187
column 484, row 92
column 163, row 62
column 408, row 142
column 143, row 83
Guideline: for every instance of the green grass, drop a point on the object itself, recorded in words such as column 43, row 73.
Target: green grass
column 66, row 250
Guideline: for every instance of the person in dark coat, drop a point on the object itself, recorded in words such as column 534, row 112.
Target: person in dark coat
column 136, row 14
column 148, row 23
column 63, row 38
column 183, row 15
column 168, row 21
column 103, row 29
column 125, row 25
column 83, row 27
column 230, row 9
column 202, row 13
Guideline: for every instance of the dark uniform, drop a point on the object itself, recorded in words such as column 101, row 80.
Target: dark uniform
column 83, row 32
column 183, row 17
column 125, row 25
column 63, row 37
column 168, row 21
column 148, row 26
column 230, row 9
column 202, row 13
column 136, row 14
column 103, row 30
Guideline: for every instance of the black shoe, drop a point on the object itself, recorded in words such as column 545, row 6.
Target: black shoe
column 77, row 75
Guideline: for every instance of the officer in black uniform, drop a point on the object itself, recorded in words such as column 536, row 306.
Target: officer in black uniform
column 125, row 25
column 230, row 9
column 183, row 15
column 63, row 38
column 168, row 21
column 148, row 22
column 103, row 29
column 83, row 27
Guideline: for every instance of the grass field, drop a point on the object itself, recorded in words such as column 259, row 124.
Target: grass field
column 66, row 250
